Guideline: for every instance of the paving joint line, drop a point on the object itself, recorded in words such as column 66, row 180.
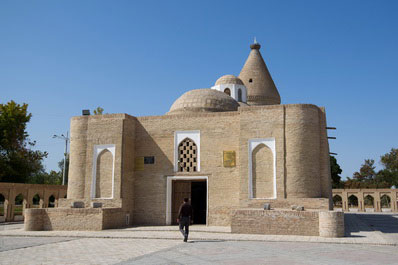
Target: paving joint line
column 230, row 240
column 38, row 245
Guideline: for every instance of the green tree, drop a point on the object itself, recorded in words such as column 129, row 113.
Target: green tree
column 367, row 173
column 335, row 170
column 98, row 111
column 61, row 167
column 351, row 184
column 390, row 164
column 367, row 177
column 42, row 177
column 54, row 177
column 17, row 161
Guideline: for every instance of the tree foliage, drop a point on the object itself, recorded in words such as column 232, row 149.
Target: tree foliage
column 98, row 111
column 367, row 177
column 367, row 173
column 42, row 177
column 61, row 167
column 18, row 162
column 390, row 164
column 335, row 170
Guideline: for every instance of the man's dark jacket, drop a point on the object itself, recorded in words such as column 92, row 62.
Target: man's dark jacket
column 185, row 210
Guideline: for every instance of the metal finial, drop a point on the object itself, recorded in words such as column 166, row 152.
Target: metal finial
column 255, row 40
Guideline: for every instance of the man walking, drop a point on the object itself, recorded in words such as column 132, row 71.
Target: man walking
column 184, row 218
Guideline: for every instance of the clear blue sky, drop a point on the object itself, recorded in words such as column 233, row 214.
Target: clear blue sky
column 138, row 57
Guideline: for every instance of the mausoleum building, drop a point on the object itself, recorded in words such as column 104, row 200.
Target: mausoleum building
column 230, row 148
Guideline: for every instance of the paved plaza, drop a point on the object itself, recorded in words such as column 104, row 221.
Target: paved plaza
column 371, row 239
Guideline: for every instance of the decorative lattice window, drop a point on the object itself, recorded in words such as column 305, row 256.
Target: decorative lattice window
column 187, row 156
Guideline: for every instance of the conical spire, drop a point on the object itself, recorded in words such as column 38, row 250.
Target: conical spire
column 261, row 89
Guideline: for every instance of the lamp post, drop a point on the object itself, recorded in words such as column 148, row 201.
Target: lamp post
column 66, row 139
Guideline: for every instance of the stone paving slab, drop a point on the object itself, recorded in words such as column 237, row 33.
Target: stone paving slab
column 83, row 251
column 46, row 250
column 269, row 253
column 370, row 240
column 355, row 238
column 11, row 243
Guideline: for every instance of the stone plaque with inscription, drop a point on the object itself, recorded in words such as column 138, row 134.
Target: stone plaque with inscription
column 229, row 159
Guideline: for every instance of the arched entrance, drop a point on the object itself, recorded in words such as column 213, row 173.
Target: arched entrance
column 36, row 201
column 353, row 203
column 385, row 203
column 369, row 203
column 337, row 202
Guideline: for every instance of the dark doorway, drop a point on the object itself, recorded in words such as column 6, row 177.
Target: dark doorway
column 196, row 191
column 199, row 201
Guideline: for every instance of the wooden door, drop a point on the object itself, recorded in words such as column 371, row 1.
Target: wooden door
column 181, row 190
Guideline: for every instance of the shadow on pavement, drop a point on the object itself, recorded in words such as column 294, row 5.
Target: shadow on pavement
column 365, row 222
column 205, row 241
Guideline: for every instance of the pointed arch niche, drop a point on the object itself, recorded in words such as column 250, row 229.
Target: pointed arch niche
column 262, row 169
column 180, row 137
column 102, row 185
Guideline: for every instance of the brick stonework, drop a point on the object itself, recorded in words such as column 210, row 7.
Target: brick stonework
column 288, row 222
column 275, row 222
column 301, row 145
column 74, row 219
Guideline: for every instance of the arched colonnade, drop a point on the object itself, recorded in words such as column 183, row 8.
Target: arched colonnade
column 16, row 197
column 365, row 200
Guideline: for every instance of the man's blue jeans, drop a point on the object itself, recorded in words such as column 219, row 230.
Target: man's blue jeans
column 184, row 223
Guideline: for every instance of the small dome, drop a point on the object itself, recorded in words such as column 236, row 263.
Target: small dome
column 203, row 100
column 229, row 79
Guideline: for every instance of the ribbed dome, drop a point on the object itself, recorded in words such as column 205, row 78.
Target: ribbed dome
column 229, row 79
column 203, row 100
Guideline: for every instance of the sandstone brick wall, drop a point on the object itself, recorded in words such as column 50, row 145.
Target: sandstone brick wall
column 302, row 151
column 82, row 219
column 128, row 152
column 86, row 132
column 63, row 219
column 261, row 122
column 155, row 137
column 308, row 203
column 263, row 178
column 103, row 179
column 114, row 218
column 325, row 175
column 275, row 222
column 106, row 203
column 331, row 224
column 301, row 159
column 78, row 153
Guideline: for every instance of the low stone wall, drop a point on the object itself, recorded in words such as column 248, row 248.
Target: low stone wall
column 308, row 203
column 81, row 219
column 114, row 218
column 331, row 224
column 287, row 222
column 106, row 203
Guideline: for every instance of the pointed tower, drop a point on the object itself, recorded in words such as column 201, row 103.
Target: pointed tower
column 261, row 89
